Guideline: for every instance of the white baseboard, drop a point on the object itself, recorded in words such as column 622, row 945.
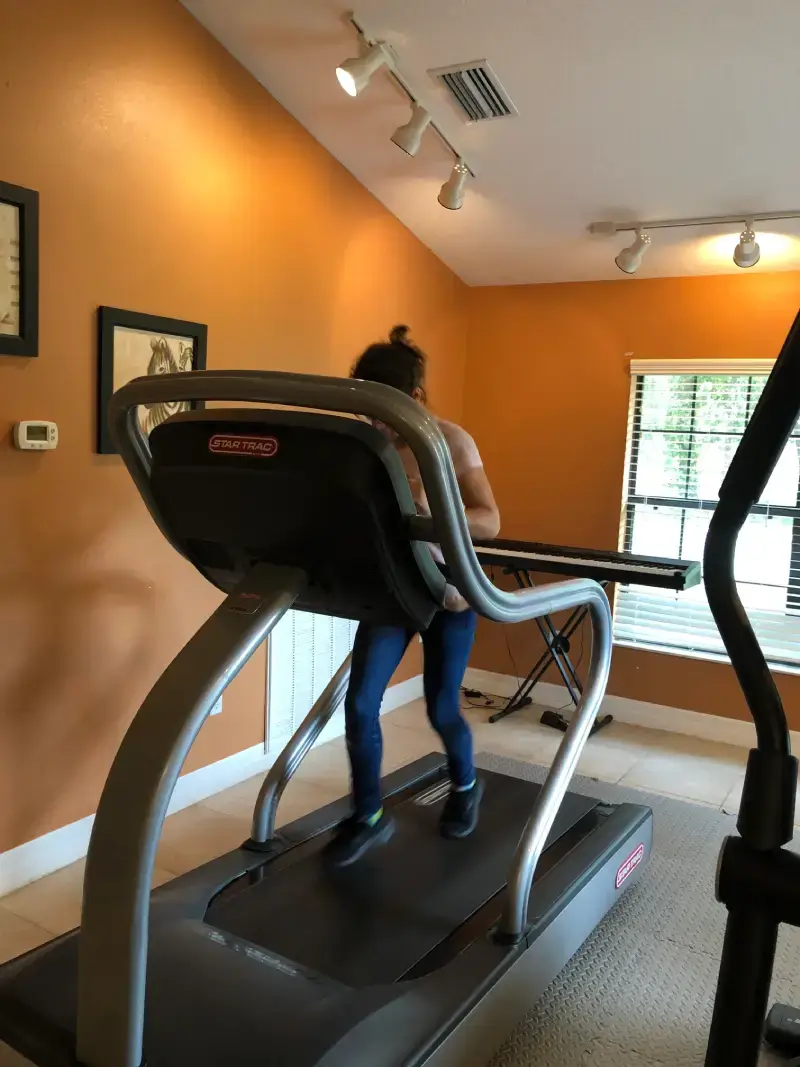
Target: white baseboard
column 397, row 696
column 57, row 849
column 634, row 712
column 50, row 852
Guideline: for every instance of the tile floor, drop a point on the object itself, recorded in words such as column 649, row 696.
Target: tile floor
column 703, row 772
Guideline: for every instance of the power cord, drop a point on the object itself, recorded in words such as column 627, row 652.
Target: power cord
column 474, row 698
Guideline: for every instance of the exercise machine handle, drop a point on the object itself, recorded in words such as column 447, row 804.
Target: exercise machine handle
column 378, row 402
column 760, row 449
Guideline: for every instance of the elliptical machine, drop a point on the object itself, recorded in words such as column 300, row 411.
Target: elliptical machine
column 758, row 880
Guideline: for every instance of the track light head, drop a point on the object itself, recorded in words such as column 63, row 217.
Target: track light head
column 630, row 259
column 747, row 253
column 451, row 195
column 354, row 74
column 409, row 137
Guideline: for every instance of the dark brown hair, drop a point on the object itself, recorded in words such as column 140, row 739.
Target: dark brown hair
column 397, row 362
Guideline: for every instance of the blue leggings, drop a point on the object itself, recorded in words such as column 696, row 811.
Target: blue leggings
column 376, row 655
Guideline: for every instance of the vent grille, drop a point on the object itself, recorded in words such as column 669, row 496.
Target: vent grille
column 476, row 91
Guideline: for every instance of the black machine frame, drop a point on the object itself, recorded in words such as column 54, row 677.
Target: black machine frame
column 758, row 879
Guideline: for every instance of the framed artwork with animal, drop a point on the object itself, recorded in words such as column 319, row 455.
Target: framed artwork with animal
column 132, row 345
column 19, row 271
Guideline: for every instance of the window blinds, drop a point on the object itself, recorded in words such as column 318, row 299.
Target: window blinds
column 305, row 651
column 683, row 431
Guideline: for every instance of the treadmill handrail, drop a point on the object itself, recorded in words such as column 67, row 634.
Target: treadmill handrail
column 759, row 450
column 294, row 752
column 421, row 433
column 379, row 402
column 538, row 827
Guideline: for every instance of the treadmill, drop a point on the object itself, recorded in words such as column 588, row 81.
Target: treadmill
column 266, row 955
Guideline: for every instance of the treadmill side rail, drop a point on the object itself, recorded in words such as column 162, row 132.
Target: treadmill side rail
column 537, row 829
column 298, row 746
column 119, row 866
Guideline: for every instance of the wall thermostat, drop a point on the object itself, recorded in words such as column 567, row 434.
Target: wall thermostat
column 35, row 435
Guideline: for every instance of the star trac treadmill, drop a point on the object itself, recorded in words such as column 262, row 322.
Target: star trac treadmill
column 265, row 955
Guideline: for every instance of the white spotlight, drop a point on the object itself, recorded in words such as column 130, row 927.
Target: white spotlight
column 409, row 137
column 451, row 195
column 354, row 74
column 630, row 258
column 747, row 253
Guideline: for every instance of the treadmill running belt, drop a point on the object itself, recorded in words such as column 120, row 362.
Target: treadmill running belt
column 372, row 922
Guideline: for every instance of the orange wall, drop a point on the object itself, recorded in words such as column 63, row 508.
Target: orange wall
column 546, row 397
column 170, row 183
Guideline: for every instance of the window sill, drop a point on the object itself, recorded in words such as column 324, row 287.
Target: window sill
column 707, row 657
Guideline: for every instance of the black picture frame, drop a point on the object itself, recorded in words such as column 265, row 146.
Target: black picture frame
column 26, row 341
column 160, row 333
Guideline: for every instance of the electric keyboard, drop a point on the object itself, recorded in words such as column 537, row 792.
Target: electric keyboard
column 522, row 558
column 623, row 567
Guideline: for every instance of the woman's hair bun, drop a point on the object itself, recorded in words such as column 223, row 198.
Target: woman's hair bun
column 398, row 335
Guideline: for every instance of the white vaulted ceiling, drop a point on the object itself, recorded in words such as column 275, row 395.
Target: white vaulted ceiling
column 627, row 109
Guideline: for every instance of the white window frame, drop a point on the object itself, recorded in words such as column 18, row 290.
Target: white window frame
column 647, row 367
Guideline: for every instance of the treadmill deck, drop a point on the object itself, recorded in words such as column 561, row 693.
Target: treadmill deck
column 323, row 987
column 376, row 920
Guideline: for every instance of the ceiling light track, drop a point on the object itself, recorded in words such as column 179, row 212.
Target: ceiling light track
column 746, row 254
column 354, row 75
column 610, row 228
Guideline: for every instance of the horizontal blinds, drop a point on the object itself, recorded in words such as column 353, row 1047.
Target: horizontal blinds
column 701, row 366
column 305, row 651
column 683, row 431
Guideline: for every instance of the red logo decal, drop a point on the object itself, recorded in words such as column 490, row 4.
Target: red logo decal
column 239, row 445
column 630, row 865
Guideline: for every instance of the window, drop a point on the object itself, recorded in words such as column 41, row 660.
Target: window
column 684, row 429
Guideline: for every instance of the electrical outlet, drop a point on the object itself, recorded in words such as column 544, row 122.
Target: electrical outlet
column 216, row 710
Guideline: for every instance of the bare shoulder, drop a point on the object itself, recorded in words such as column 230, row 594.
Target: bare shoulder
column 462, row 446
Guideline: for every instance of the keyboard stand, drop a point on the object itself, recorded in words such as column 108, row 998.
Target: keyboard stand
column 557, row 650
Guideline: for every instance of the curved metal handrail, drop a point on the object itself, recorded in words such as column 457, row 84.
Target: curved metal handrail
column 762, row 443
column 538, row 827
column 379, row 402
column 298, row 746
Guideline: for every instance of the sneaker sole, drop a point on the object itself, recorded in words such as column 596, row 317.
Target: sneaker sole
column 382, row 838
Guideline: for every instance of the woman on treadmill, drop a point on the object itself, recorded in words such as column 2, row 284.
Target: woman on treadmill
column 447, row 642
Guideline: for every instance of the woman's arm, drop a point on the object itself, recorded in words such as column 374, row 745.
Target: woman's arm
column 483, row 516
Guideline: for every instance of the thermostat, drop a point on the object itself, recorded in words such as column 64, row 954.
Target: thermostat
column 33, row 435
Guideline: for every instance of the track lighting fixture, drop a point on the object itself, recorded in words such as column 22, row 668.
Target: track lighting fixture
column 409, row 137
column 354, row 74
column 747, row 253
column 451, row 195
column 630, row 259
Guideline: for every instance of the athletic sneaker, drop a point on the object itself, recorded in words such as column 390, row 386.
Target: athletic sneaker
column 353, row 837
column 460, row 815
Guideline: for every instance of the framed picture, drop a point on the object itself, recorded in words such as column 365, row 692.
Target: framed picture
column 19, row 271
column 132, row 345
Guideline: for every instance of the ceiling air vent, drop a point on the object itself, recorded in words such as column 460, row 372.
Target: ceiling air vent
column 476, row 90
